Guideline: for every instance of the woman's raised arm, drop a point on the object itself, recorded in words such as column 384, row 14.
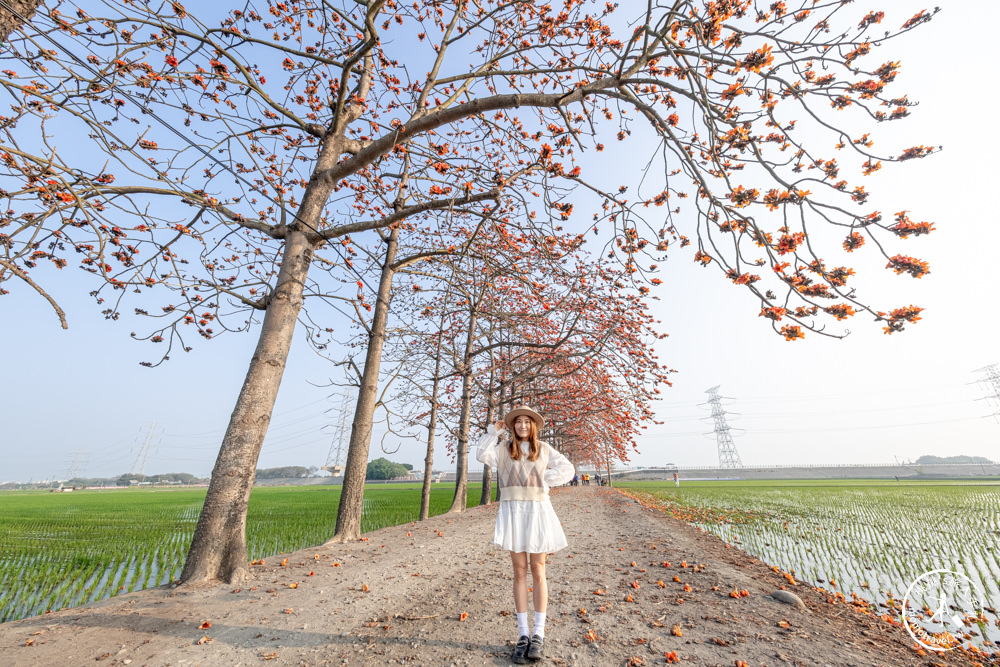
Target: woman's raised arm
column 488, row 450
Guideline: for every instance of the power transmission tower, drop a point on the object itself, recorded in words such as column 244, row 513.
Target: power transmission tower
column 139, row 467
column 78, row 465
column 728, row 456
column 992, row 378
column 338, row 450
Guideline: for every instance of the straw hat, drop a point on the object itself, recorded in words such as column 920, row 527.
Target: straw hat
column 523, row 410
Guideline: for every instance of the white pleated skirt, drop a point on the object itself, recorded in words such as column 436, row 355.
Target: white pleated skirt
column 528, row 525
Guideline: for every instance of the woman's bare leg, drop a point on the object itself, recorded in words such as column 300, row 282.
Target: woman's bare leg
column 520, row 563
column 539, row 587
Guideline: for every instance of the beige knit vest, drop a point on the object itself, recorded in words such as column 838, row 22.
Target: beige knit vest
column 522, row 479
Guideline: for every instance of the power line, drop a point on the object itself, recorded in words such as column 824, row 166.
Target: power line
column 795, row 431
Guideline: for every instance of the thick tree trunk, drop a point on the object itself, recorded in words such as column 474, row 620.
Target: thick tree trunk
column 219, row 550
column 353, row 491
column 460, row 501
column 425, row 491
column 10, row 22
column 486, row 495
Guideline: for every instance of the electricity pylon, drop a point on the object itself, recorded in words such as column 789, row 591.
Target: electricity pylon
column 728, row 456
column 139, row 467
column 338, row 450
column 78, row 465
column 992, row 378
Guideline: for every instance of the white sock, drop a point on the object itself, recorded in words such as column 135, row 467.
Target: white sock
column 539, row 624
column 522, row 624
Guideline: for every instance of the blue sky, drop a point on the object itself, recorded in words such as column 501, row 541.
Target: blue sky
column 867, row 398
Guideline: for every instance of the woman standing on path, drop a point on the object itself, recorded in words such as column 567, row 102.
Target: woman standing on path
column 527, row 526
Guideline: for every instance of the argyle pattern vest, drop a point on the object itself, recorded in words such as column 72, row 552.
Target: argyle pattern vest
column 522, row 479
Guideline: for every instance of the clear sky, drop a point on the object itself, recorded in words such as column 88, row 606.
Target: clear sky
column 866, row 399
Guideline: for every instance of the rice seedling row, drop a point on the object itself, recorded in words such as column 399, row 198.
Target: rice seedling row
column 60, row 550
column 868, row 543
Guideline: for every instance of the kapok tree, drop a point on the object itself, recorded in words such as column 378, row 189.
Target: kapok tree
column 479, row 290
column 219, row 164
column 600, row 389
column 507, row 278
column 537, row 330
column 455, row 234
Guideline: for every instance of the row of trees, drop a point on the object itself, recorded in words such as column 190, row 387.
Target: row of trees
column 321, row 161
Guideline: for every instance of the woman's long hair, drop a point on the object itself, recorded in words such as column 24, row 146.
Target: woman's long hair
column 534, row 445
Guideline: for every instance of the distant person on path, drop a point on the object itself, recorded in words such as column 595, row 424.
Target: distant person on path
column 527, row 526
column 677, row 480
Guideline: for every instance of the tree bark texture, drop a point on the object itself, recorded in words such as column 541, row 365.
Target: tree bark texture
column 353, row 491
column 219, row 550
column 485, row 496
column 10, row 22
column 425, row 489
column 459, row 502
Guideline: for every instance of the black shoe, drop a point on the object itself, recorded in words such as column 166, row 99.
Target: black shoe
column 521, row 651
column 536, row 650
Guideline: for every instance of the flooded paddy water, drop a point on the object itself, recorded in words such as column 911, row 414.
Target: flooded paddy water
column 870, row 541
column 65, row 549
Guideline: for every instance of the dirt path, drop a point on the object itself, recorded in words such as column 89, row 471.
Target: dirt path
column 398, row 598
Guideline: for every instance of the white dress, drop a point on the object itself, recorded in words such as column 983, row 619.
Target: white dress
column 527, row 525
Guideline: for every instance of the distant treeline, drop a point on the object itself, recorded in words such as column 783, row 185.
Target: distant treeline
column 177, row 478
column 120, row 480
column 287, row 472
column 952, row 459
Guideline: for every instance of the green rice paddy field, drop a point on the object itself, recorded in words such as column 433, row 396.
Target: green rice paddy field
column 867, row 539
column 864, row 538
column 64, row 549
